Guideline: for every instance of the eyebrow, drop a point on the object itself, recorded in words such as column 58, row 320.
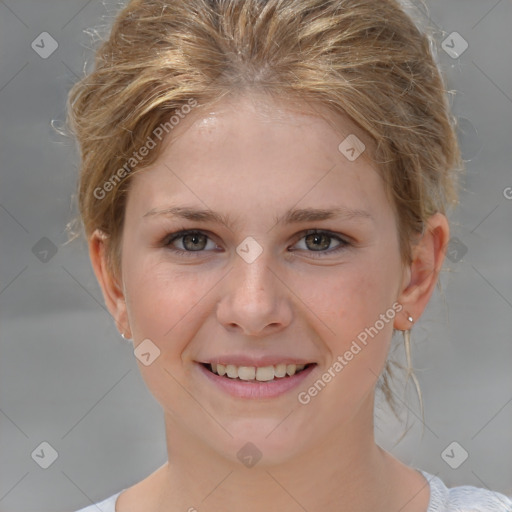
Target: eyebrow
column 292, row 216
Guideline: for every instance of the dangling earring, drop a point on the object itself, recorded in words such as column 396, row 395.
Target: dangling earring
column 407, row 340
column 410, row 372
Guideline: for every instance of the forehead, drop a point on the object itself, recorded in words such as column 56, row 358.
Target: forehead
column 248, row 115
column 251, row 148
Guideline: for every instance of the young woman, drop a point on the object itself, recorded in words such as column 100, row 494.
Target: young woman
column 264, row 190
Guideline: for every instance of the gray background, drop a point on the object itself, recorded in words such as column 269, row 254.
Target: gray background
column 67, row 378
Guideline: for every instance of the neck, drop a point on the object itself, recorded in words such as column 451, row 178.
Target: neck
column 344, row 470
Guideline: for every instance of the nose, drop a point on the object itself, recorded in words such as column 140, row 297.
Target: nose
column 254, row 300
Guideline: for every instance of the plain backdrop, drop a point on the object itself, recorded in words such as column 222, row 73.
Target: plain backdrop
column 67, row 378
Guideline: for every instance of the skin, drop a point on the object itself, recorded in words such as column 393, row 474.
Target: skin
column 254, row 159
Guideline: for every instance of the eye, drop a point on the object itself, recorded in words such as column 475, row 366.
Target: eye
column 319, row 241
column 189, row 240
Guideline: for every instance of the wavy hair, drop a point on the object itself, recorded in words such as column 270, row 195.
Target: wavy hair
column 364, row 59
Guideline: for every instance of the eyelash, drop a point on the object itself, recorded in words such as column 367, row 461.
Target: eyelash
column 180, row 234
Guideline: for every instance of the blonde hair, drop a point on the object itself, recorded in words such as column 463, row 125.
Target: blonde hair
column 364, row 59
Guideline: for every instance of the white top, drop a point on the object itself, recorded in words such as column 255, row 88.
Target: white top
column 442, row 499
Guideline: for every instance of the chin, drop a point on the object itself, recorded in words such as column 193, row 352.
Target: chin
column 261, row 444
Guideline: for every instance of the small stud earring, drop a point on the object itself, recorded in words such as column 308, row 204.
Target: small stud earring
column 410, row 318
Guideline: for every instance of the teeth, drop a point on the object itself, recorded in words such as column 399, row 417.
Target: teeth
column 265, row 373
column 262, row 373
column 247, row 372
column 232, row 371
column 280, row 370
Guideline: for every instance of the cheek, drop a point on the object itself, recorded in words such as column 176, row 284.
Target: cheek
column 358, row 338
column 352, row 297
column 163, row 303
column 350, row 300
column 166, row 307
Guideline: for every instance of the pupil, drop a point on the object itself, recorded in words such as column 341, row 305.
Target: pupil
column 194, row 239
column 317, row 238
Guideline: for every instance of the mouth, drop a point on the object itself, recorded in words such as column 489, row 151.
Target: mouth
column 267, row 373
column 255, row 377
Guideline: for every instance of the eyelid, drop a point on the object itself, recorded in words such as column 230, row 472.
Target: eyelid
column 344, row 241
column 177, row 235
column 338, row 236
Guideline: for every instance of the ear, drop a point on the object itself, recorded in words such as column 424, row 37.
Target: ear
column 112, row 292
column 422, row 274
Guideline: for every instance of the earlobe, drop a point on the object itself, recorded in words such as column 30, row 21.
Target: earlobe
column 112, row 292
column 427, row 259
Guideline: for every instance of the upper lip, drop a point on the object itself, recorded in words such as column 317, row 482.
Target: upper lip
column 244, row 360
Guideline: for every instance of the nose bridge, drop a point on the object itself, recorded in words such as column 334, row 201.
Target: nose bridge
column 253, row 298
column 253, row 280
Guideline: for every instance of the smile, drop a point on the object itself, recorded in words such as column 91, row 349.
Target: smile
column 255, row 382
column 255, row 373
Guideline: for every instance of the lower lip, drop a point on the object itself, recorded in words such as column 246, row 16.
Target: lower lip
column 254, row 389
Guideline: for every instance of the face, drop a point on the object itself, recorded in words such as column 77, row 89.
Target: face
column 299, row 265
